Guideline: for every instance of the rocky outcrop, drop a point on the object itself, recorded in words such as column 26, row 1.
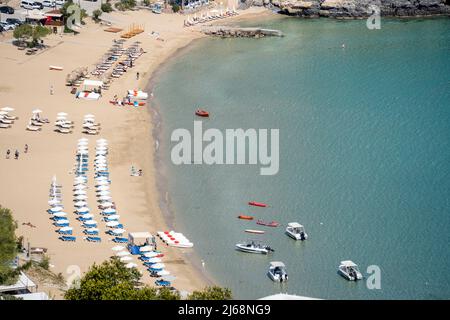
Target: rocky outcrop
column 361, row 8
column 232, row 32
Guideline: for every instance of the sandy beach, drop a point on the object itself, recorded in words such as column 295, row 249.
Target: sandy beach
column 25, row 85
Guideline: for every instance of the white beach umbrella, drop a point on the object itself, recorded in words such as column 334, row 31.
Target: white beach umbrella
column 90, row 222
column 65, row 229
column 101, row 148
column 145, row 249
column 103, row 193
column 83, row 209
column 163, row 273
column 101, row 140
column 92, row 229
column 54, row 202
column 36, row 111
column 62, row 221
column 106, row 204
column 61, row 118
column 122, row 253
column 7, row 109
column 167, row 277
column 154, row 260
column 131, row 265
column 112, row 224
column 104, row 198
column 79, row 187
column 56, row 209
column 81, row 197
column 83, row 143
column 102, row 188
column 124, row 259
column 158, row 265
column 114, row 217
column 80, row 179
column 119, row 231
column 3, row 113
column 60, row 214
column 101, row 178
column 80, row 204
column 87, row 216
column 109, row 210
column 150, row 254
column 102, row 183
column 79, row 192
column 117, row 248
column 63, row 114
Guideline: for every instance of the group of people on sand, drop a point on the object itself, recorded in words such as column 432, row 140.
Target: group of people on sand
column 135, row 173
column 28, row 224
column 16, row 153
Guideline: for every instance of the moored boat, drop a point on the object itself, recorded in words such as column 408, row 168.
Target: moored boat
column 349, row 270
column 268, row 224
column 258, row 204
column 255, row 231
column 202, row 113
column 277, row 271
column 254, row 246
column 296, row 231
column 244, row 217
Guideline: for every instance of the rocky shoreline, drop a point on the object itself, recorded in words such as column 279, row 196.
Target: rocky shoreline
column 236, row 32
column 354, row 9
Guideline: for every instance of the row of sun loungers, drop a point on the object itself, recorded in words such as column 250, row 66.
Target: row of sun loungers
column 90, row 126
column 210, row 16
column 6, row 119
column 57, row 213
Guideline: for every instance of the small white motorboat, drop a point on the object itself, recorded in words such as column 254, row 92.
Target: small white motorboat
column 253, row 246
column 296, row 231
column 277, row 271
column 349, row 270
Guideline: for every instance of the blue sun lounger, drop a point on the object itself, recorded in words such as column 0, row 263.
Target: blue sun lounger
column 84, row 219
column 67, row 238
column 94, row 239
column 162, row 283
column 91, row 233
column 154, row 269
column 120, row 240
column 148, row 264
column 108, row 219
column 58, row 218
column 68, row 232
column 58, row 224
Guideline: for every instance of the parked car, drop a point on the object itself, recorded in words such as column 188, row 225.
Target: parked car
column 7, row 26
column 29, row 5
column 14, row 21
column 48, row 3
column 6, row 9
column 60, row 2
column 38, row 5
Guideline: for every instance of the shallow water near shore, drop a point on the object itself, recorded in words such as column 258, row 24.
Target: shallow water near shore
column 364, row 155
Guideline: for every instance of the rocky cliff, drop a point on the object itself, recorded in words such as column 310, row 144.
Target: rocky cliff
column 358, row 8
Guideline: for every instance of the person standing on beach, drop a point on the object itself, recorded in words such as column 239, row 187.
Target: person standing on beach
column 16, row 155
column 25, row 149
column 137, row 75
column 51, row 90
column 8, row 152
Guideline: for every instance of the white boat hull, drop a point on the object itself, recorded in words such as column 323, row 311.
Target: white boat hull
column 244, row 248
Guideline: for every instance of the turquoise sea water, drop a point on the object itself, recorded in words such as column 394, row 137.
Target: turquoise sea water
column 364, row 155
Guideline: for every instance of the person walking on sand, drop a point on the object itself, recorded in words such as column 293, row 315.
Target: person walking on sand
column 51, row 90
column 16, row 155
column 25, row 149
column 137, row 75
column 8, row 152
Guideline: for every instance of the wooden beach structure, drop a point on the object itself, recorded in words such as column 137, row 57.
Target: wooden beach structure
column 133, row 30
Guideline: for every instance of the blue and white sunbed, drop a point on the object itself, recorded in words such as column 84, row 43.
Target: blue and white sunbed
column 93, row 239
column 162, row 283
column 67, row 238
column 120, row 240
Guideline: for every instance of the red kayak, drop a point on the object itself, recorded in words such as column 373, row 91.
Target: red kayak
column 202, row 113
column 258, row 204
column 245, row 217
column 268, row 224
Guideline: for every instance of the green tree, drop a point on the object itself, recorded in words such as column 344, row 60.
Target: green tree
column 113, row 281
column 8, row 246
column 211, row 293
column 23, row 32
column 106, row 7
column 39, row 32
column 96, row 15
column 124, row 5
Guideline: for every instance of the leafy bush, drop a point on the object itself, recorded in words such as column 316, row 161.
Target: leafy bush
column 175, row 7
column 45, row 263
column 211, row 293
column 8, row 246
column 106, row 7
column 124, row 5
column 96, row 15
